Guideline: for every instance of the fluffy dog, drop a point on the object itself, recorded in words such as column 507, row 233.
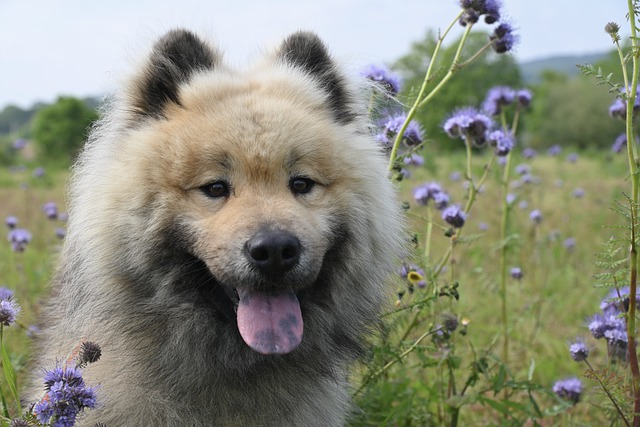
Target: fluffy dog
column 231, row 236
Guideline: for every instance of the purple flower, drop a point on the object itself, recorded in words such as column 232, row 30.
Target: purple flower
column 413, row 134
column 554, row 150
column 19, row 144
column 454, row 216
column 50, row 209
column 455, row 176
column 619, row 107
column 503, row 38
column 616, row 337
column 570, row 243
column 431, row 191
column 498, row 97
column 474, row 9
column 616, row 301
column 502, row 141
column 572, row 158
column 569, row 389
column 389, row 81
column 38, row 172
column 523, row 204
column 578, row 193
column 469, row 123
column 19, row 238
column 9, row 309
column 67, row 395
column 619, row 143
column 483, row 226
column 5, row 293
column 523, row 169
column 414, row 159
column 579, row 350
column 529, row 153
column 11, row 222
column 597, row 326
column 524, row 96
column 60, row 233
column 535, row 216
column 511, row 198
column 516, row 273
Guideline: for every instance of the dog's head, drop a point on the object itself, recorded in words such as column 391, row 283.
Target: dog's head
column 267, row 177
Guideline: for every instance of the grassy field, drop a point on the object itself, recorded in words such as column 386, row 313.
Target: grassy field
column 547, row 308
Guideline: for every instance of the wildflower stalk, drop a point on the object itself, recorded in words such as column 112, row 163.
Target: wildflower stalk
column 504, row 223
column 604, row 387
column 395, row 360
column 635, row 184
column 470, row 201
column 417, row 103
column 9, row 372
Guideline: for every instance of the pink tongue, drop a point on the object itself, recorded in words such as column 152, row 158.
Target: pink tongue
column 270, row 323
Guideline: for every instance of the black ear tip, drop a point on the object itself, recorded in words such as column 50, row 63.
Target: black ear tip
column 174, row 59
column 304, row 50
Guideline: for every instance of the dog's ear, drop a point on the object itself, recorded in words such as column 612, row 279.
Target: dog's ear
column 305, row 50
column 173, row 61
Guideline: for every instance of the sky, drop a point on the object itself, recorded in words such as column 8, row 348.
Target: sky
column 82, row 48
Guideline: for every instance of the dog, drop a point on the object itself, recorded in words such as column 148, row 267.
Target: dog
column 230, row 242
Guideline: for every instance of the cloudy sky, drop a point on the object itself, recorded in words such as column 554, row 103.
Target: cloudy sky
column 80, row 47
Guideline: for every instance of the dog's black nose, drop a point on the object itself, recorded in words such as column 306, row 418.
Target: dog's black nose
column 273, row 252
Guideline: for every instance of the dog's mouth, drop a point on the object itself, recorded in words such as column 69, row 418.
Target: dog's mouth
column 269, row 322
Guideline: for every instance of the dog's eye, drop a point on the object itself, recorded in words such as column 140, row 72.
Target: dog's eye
column 216, row 189
column 300, row 185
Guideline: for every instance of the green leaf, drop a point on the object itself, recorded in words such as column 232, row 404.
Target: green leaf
column 532, row 368
column 10, row 375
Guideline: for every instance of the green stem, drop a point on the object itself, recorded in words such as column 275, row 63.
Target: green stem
column 604, row 388
column 395, row 360
column 416, row 105
column 5, row 408
column 633, row 253
column 503, row 259
column 455, row 66
column 427, row 243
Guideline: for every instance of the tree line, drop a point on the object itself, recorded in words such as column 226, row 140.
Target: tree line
column 566, row 111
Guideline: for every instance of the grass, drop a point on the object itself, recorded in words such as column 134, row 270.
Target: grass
column 547, row 308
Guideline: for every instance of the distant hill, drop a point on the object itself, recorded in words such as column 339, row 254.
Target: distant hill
column 531, row 70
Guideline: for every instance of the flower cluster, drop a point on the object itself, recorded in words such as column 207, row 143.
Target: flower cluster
column 11, row 222
column 516, row 273
column 502, row 96
column 503, row 38
column 431, row 191
column 454, row 216
column 477, row 127
column 9, row 309
column 381, row 75
column 391, row 125
column 474, row 9
column 468, row 123
column 609, row 323
column 19, row 238
column 569, row 389
column 619, row 107
column 50, row 209
column 502, row 141
column 579, row 350
column 67, row 396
